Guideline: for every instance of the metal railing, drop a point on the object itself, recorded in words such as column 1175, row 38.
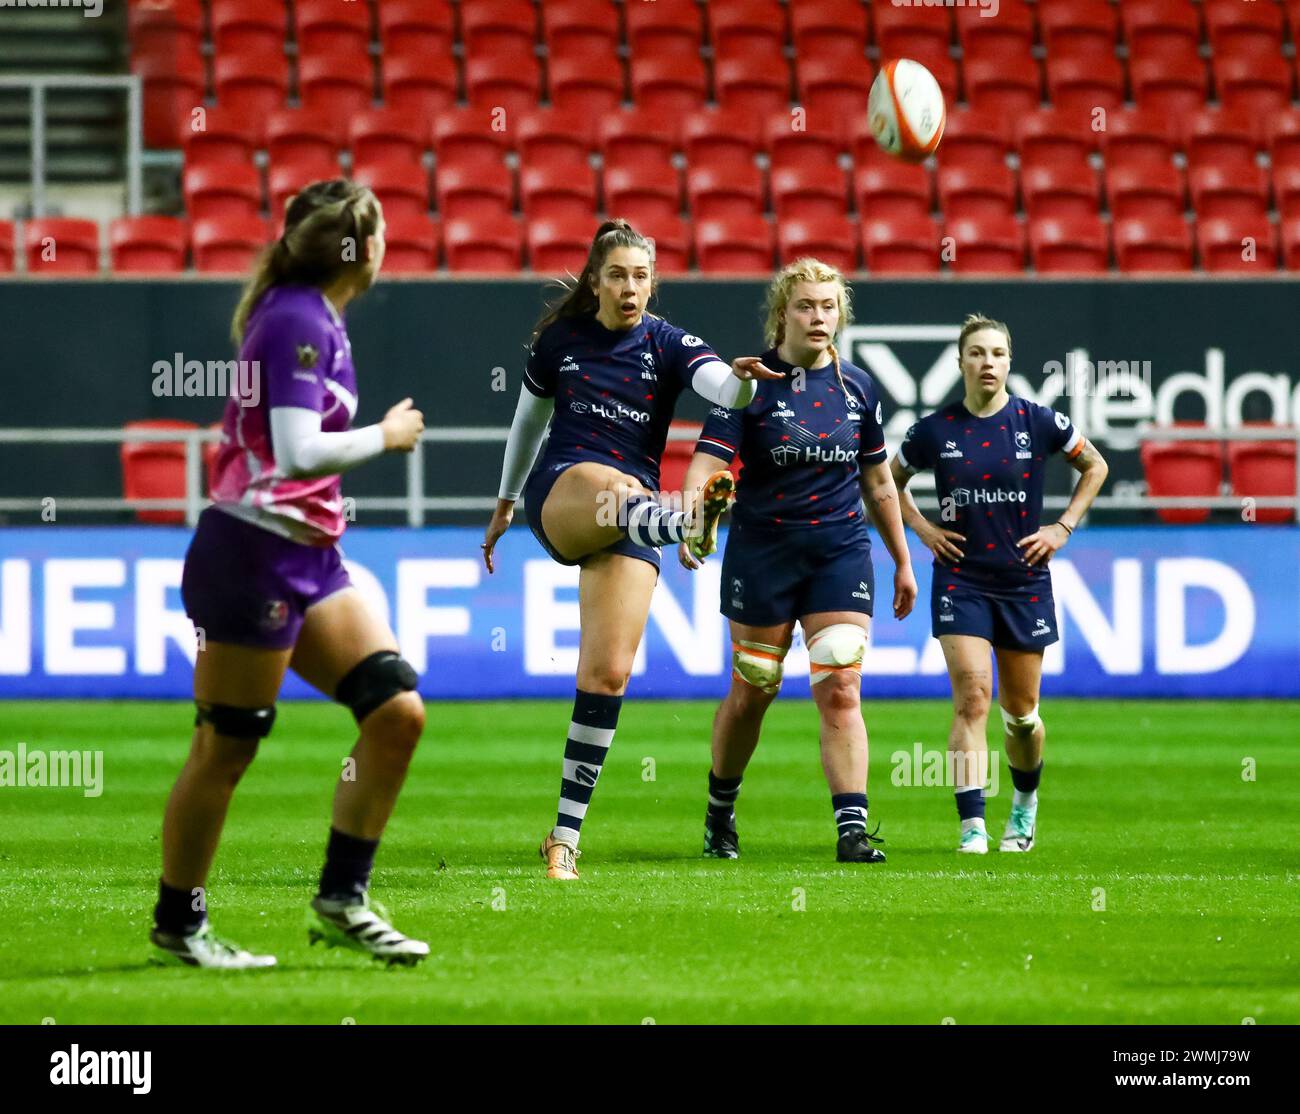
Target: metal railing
column 417, row 505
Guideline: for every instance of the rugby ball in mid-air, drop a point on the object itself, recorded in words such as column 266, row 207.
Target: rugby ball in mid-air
column 906, row 110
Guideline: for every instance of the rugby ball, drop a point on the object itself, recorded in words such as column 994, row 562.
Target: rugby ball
column 906, row 110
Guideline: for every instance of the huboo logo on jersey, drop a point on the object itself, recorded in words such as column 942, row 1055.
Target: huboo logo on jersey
column 950, row 450
column 610, row 409
column 791, row 454
column 1022, row 444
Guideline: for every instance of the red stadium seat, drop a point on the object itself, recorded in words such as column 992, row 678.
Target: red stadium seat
column 328, row 27
column 970, row 136
column 1256, row 84
column 253, row 85
column 1218, row 136
column 339, row 83
column 411, row 243
column 474, row 188
column 554, row 135
column 672, row 85
column 483, row 244
column 1144, row 190
column 892, row 189
column 165, row 29
column 228, row 244
column 148, row 245
column 173, row 88
column 1239, row 245
column 558, row 190
column 243, row 26
column 987, row 244
column 724, row 189
column 222, row 190
column 498, row 27
column 1156, row 27
column 1071, row 245
column 969, row 191
column 720, row 135
column 672, row 241
column 216, row 135
column 1238, row 190
column 1258, row 469
column 1283, row 132
column 590, row 83
column 1054, row 190
column 808, row 190
column 900, row 244
column 746, row 26
column 557, row 245
column 401, row 186
column 1010, row 86
column 575, row 27
column 758, row 83
column 509, row 81
column 819, row 140
column 415, row 27
column 1182, row 468
column 423, row 82
column 664, row 28
column 649, row 187
column 633, row 134
column 1139, row 136
column 296, row 134
column 1173, row 84
column 1009, row 33
column 61, row 246
column 1151, row 245
column 829, row 27
column 155, row 469
column 1286, row 188
column 388, row 134
column 1057, row 136
column 1290, row 230
column 734, row 244
column 833, row 88
column 1245, row 29
column 289, row 176
column 1084, row 84
column 6, row 246
column 463, row 134
column 905, row 32
column 1078, row 29
column 833, row 240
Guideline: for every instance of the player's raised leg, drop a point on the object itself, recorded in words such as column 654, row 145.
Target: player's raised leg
column 970, row 671
column 235, row 688
column 757, row 663
column 1020, row 674
column 348, row 653
column 614, row 593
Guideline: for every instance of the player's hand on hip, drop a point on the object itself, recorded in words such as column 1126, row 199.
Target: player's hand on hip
column 500, row 523
column 688, row 560
column 1042, row 545
column 943, row 543
column 751, row 367
column 904, row 591
column 402, row 426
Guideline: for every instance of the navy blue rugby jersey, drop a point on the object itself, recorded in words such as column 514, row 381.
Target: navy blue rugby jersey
column 802, row 450
column 614, row 391
column 992, row 470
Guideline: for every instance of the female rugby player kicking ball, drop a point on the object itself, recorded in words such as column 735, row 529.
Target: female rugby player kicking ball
column 991, row 584
column 798, row 548
column 264, row 582
column 606, row 375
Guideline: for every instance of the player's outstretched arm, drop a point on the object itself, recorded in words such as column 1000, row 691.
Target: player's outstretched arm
column 702, row 466
column 1042, row 545
column 880, row 495
column 943, row 543
column 732, row 386
column 303, row 451
column 532, row 416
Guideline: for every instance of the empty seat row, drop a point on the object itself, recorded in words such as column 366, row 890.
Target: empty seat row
column 1195, row 469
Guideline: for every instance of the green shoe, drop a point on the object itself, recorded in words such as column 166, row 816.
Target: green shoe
column 974, row 841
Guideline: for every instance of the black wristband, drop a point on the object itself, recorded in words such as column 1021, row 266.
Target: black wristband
column 1067, row 529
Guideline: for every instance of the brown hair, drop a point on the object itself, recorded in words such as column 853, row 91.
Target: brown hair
column 319, row 221
column 782, row 286
column 578, row 299
column 973, row 324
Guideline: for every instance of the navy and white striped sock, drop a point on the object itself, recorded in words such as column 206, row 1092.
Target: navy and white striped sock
column 649, row 523
column 850, row 812
column 723, row 792
column 590, row 732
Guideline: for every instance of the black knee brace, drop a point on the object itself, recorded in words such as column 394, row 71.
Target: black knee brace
column 375, row 680
column 238, row 723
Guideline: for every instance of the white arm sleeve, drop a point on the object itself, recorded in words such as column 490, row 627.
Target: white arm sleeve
column 302, row 450
column 532, row 416
column 714, row 380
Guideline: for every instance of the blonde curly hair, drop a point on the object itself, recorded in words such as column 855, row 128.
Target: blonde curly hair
column 782, row 287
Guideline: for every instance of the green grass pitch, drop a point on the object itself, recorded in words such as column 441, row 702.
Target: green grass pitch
column 1164, row 887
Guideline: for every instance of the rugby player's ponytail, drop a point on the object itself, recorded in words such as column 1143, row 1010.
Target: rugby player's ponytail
column 778, row 299
column 578, row 299
column 326, row 226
